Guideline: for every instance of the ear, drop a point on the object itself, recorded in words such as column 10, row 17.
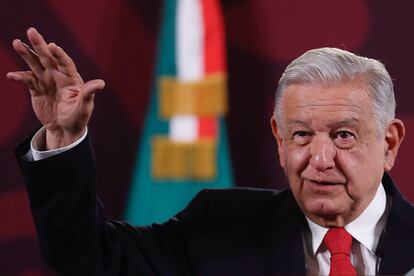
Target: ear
column 279, row 140
column 394, row 135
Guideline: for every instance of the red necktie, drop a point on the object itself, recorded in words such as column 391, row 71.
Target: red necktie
column 339, row 241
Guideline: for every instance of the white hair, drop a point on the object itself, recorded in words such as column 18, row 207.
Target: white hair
column 331, row 65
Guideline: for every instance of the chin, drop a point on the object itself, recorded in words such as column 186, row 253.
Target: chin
column 325, row 209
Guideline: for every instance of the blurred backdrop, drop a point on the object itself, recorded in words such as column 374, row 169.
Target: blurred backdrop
column 115, row 40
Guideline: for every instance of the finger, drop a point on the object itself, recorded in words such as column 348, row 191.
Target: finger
column 91, row 87
column 28, row 56
column 27, row 78
column 40, row 47
column 63, row 60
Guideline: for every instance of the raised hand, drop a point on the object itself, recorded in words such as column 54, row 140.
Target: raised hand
column 60, row 98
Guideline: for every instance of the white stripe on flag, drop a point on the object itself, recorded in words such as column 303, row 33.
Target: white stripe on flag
column 184, row 128
column 190, row 62
column 189, row 40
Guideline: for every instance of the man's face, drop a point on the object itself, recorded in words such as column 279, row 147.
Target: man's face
column 330, row 150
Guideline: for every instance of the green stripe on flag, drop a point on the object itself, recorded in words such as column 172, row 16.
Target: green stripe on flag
column 153, row 200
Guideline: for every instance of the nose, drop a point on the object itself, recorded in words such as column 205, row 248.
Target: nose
column 322, row 151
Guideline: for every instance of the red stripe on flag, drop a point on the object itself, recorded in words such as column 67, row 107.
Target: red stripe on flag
column 214, row 40
column 207, row 127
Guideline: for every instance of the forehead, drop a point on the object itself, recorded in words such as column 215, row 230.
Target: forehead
column 328, row 103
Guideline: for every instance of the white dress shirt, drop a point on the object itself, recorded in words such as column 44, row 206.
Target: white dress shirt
column 34, row 154
column 365, row 230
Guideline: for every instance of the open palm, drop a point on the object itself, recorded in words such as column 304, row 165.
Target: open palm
column 60, row 98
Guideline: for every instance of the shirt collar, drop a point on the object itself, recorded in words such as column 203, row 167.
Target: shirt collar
column 366, row 228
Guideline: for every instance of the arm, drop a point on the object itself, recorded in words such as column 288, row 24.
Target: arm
column 77, row 239
column 74, row 235
column 34, row 154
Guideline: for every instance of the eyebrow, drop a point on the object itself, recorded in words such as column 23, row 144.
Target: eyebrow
column 345, row 122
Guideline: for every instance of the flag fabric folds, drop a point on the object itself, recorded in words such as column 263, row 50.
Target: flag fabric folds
column 183, row 146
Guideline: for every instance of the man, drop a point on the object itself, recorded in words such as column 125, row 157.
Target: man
column 337, row 137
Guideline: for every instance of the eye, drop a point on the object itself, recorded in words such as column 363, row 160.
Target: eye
column 300, row 133
column 301, row 137
column 343, row 134
column 344, row 138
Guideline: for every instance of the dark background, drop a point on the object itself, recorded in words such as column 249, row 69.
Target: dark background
column 115, row 40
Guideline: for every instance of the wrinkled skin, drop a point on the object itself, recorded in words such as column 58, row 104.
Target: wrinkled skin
column 62, row 102
column 332, row 150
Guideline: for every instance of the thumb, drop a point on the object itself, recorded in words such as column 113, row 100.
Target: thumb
column 91, row 87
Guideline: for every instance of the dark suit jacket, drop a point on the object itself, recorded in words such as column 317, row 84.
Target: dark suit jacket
column 221, row 232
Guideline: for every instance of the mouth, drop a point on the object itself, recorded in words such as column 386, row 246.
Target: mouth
column 323, row 186
column 323, row 182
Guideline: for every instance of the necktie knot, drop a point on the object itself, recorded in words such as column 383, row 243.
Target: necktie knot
column 339, row 242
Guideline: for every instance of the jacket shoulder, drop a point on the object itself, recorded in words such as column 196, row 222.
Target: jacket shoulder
column 235, row 202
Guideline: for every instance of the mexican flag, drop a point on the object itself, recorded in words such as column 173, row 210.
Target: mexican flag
column 183, row 146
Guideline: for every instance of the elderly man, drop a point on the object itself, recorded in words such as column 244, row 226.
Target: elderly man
column 337, row 137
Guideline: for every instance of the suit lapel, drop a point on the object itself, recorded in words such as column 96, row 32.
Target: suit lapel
column 283, row 225
column 281, row 237
column 396, row 249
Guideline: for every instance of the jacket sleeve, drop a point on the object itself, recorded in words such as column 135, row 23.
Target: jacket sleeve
column 77, row 239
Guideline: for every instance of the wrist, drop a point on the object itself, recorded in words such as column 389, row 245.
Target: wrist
column 56, row 139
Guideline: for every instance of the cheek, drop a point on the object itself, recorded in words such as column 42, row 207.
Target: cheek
column 362, row 169
column 349, row 163
column 296, row 159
